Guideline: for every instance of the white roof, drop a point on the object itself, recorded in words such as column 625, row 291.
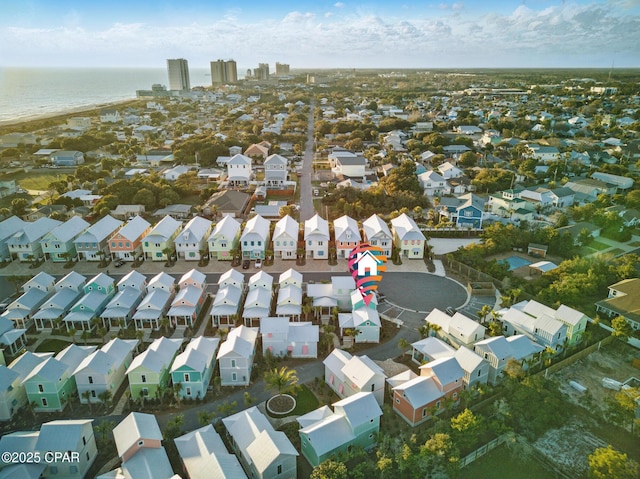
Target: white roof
column 69, row 229
column 104, row 228
column 11, row 226
column 240, row 342
column 50, row 370
column 401, row 378
column 420, row 391
column 7, row 377
column 74, row 281
column 198, row 354
column 375, row 225
column 447, row 370
column 194, row 231
column 164, row 229
column 228, row 295
column 134, row 427
column 257, row 298
column 290, row 276
column 226, row 228
column 346, row 229
column 73, row 355
column 258, row 226
column 275, row 159
column 458, row 325
column 155, row 300
column 261, row 279
column 161, row 281
column 133, row 229
column 148, row 463
column 134, row 279
column 27, row 362
column 290, row 295
column 569, row 315
column 316, row 226
column 467, row 359
column 343, row 282
column 239, row 159
column 231, row 276
column 434, row 348
column 359, row 408
column 205, row 456
column 194, row 277
column 158, row 356
column 32, row 232
column 360, row 370
column 62, row 435
column 336, row 360
column 286, row 226
column 406, row 228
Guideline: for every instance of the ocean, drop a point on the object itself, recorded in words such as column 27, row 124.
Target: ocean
column 33, row 92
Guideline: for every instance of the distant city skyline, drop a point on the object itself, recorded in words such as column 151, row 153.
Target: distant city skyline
column 322, row 34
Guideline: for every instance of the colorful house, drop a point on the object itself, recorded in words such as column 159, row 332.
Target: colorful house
column 161, row 239
column 235, row 356
column 156, row 303
column 224, row 239
column 97, row 293
column 347, row 235
column 194, row 367
column 104, row 369
column 422, row 397
column 377, row 233
column 363, row 318
column 93, row 244
column 465, row 211
column 51, row 383
column 407, row 237
column 255, row 238
column 139, row 443
column 150, row 369
column 354, row 422
column 13, row 394
column 8, row 228
column 25, row 245
column 189, row 299
column 58, row 244
column 126, row 244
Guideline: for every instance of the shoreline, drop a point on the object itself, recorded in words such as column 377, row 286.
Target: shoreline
column 63, row 113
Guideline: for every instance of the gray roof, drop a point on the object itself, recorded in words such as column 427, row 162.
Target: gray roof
column 134, row 228
column 164, row 229
column 194, row 231
column 32, row 232
column 104, row 228
column 69, row 229
column 134, row 427
column 63, row 435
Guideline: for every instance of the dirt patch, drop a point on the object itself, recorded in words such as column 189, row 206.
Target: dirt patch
column 569, row 447
column 611, row 361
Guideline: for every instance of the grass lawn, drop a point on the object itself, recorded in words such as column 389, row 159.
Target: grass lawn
column 39, row 179
column 52, row 346
column 501, row 463
column 597, row 245
column 306, row 401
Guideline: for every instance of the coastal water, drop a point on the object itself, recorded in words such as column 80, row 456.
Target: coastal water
column 32, row 92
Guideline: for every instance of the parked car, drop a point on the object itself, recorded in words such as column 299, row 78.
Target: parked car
column 117, row 263
column 258, row 263
column 450, row 310
column 245, row 264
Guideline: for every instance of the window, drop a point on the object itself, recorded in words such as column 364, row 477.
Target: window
column 279, row 468
column 119, row 244
column 113, row 244
column 84, row 441
column 233, row 363
column 397, row 401
column 320, row 243
column 234, row 377
column 424, row 412
column 40, row 388
column 373, row 387
column 188, row 391
column 438, row 405
column 370, row 436
column 140, row 443
column 479, row 372
column 143, row 378
column 186, row 377
column 44, row 402
column 90, row 379
column 93, row 393
column 145, row 392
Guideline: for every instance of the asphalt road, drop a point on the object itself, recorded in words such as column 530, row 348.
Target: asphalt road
column 306, row 199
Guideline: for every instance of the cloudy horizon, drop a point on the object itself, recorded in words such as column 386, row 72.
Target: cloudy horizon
column 320, row 34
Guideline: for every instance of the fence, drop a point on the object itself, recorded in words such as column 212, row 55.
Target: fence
column 482, row 450
column 577, row 356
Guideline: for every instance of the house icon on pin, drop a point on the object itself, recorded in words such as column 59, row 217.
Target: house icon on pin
column 367, row 264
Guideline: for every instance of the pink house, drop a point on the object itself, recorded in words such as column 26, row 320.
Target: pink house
column 126, row 244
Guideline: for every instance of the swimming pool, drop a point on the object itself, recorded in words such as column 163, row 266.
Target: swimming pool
column 515, row 262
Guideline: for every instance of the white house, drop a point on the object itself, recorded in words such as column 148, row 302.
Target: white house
column 348, row 375
column 498, row 350
column 192, row 240
column 255, row 237
column 282, row 337
column 316, row 237
column 285, row 238
column 433, row 183
column 407, row 237
column 458, row 330
column 275, row 171
column 239, row 171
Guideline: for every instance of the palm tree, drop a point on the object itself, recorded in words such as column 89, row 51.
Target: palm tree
column 105, row 398
column 87, row 395
column 424, row 330
column 484, row 312
column 86, row 334
column 404, row 346
column 177, row 389
column 283, row 380
column 142, row 396
column 104, row 428
column 164, row 323
column 139, row 335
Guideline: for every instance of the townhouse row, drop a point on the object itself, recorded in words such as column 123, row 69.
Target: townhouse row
column 136, row 239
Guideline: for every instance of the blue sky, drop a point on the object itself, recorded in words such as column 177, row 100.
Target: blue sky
column 322, row 34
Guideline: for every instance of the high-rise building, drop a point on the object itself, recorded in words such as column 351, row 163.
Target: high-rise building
column 282, row 69
column 178, row 70
column 223, row 72
column 262, row 72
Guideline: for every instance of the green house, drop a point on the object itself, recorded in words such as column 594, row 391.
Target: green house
column 150, row 369
column 354, row 421
column 194, row 367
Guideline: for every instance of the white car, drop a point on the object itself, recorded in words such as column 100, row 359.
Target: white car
column 258, row 263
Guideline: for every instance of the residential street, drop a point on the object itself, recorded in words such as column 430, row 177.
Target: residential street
column 306, row 198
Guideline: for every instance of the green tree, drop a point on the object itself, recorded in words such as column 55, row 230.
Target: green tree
column 105, row 398
column 86, row 395
column 205, row 417
column 621, row 328
column 283, row 380
column 329, row 469
column 174, row 426
column 607, row 463
column 103, row 429
column 19, row 206
column 404, row 346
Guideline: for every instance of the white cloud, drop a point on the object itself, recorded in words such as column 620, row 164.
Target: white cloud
column 338, row 4
column 569, row 35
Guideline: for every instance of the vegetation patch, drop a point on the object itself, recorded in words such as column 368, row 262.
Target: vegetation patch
column 52, row 346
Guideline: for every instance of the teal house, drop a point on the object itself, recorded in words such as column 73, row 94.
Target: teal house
column 194, row 367
column 58, row 244
column 354, row 421
column 51, row 383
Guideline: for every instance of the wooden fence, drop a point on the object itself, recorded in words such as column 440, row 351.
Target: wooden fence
column 577, row 356
column 482, row 450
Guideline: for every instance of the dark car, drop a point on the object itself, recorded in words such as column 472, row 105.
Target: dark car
column 450, row 311
column 245, row 264
column 117, row 263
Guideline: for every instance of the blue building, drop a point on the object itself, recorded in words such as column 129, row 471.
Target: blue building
column 67, row 158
